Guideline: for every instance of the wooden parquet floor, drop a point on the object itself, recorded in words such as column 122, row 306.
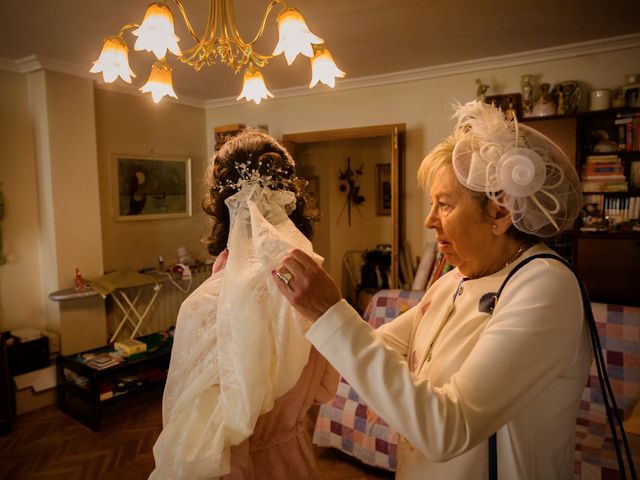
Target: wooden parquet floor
column 46, row 444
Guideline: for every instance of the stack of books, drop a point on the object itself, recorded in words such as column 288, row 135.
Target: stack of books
column 101, row 361
column 604, row 173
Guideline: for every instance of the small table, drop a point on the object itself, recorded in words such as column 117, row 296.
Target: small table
column 86, row 392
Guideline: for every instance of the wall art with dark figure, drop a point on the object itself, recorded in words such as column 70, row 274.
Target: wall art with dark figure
column 150, row 188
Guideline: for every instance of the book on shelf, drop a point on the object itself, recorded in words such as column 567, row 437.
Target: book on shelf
column 603, row 159
column 602, row 169
column 106, row 390
column 621, row 210
column 623, row 120
column 611, row 177
column 628, row 132
column 604, row 186
column 599, row 211
column 101, row 361
column 130, row 346
column 634, row 174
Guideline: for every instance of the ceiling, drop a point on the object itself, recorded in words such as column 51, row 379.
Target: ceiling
column 366, row 37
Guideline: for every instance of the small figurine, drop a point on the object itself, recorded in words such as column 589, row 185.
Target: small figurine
column 526, row 83
column 545, row 105
column 481, row 93
column 511, row 109
column 80, row 286
column 561, row 101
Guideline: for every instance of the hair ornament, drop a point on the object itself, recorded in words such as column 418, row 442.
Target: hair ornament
column 249, row 176
column 517, row 167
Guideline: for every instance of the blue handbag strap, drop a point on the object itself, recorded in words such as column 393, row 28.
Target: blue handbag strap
column 609, row 399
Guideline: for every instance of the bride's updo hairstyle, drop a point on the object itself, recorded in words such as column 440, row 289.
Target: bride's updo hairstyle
column 252, row 151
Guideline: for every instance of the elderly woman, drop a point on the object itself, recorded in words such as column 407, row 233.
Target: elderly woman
column 242, row 376
column 460, row 366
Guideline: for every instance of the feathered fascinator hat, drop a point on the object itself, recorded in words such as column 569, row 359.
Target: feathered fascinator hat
column 516, row 167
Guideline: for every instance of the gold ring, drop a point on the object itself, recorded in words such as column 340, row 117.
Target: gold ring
column 285, row 278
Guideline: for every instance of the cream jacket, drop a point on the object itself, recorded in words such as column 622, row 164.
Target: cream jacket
column 447, row 374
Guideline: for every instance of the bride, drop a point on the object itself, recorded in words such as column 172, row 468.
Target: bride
column 242, row 375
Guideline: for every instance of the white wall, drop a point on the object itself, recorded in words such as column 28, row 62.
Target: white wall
column 69, row 220
column 134, row 125
column 424, row 106
column 56, row 145
column 20, row 292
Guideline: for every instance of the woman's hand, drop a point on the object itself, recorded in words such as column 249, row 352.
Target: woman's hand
column 309, row 289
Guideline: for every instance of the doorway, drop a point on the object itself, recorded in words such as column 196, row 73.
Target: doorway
column 355, row 175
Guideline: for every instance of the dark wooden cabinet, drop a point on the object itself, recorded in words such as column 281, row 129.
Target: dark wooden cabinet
column 609, row 267
column 7, row 392
column 606, row 254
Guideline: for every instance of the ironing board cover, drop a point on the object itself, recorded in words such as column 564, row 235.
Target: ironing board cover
column 119, row 279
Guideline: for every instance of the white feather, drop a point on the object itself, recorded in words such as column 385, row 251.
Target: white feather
column 486, row 122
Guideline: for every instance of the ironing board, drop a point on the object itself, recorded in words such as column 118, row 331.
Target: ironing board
column 117, row 284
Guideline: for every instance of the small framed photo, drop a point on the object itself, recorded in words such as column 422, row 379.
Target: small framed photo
column 383, row 189
column 226, row 132
column 510, row 103
column 150, row 188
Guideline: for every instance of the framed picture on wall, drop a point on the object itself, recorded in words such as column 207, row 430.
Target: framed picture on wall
column 148, row 188
column 226, row 132
column 383, row 189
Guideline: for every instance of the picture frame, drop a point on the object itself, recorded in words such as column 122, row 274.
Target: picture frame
column 509, row 102
column 226, row 132
column 383, row 189
column 151, row 187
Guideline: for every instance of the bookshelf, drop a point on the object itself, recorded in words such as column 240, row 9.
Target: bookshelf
column 604, row 246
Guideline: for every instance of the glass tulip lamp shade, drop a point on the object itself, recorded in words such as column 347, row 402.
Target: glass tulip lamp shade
column 254, row 88
column 159, row 83
column 113, row 61
column 220, row 43
column 295, row 36
column 324, row 69
column 156, row 33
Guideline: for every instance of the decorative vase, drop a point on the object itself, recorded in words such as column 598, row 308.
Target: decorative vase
column 526, row 84
column 545, row 105
column 600, row 99
column 618, row 101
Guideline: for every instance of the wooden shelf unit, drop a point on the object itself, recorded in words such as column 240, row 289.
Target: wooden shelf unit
column 607, row 261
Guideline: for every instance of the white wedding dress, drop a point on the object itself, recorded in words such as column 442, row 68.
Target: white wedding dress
column 238, row 343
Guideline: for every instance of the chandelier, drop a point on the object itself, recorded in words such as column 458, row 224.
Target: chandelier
column 220, row 43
